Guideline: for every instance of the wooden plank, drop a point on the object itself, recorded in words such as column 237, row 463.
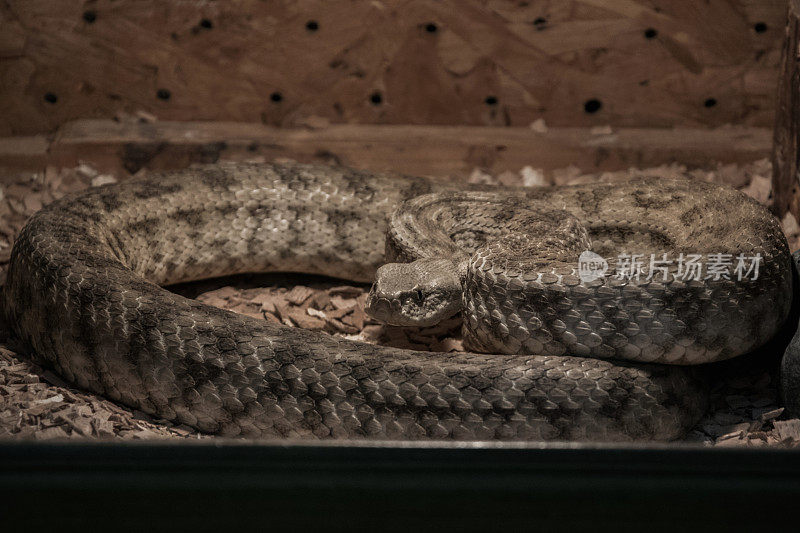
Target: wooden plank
column 23, row 153
column 423, row 150
column 627, row 63
column 786, row 152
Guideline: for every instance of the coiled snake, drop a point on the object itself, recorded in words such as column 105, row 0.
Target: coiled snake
column 571, row 359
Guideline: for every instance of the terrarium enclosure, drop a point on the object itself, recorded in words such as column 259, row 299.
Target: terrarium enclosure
column 501, row 92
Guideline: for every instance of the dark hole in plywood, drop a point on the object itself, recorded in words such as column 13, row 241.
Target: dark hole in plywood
column 163, row 94
column 50, row 98
column 710, row 102
column 206, row 23
column 592, row 105
column 431, row 27
column 276, row 97
column 89, row 16
column 650, row 33
column 540, row 23
column 490, row 100
column 760, row 27
column 312, row 25
column 376, row 98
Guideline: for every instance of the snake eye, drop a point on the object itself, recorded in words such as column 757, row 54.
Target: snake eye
column 420, row 296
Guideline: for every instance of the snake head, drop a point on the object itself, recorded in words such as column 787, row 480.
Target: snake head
column 422, row 293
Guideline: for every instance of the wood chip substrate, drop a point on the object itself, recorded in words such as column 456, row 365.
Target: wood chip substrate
column 36, row 404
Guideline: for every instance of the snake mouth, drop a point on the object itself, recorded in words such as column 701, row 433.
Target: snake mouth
column 415, row 308
column 410, row 311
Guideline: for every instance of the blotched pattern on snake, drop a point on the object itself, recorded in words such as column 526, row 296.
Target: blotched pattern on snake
column 568, row 359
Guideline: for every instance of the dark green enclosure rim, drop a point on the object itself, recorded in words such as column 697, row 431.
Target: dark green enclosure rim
column 393, row 486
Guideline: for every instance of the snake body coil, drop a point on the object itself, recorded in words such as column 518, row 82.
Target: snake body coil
column 83, row 293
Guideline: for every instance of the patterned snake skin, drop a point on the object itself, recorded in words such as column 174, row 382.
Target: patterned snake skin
column 83, row 293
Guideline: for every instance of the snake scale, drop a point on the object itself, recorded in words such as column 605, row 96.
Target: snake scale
column 571, row 360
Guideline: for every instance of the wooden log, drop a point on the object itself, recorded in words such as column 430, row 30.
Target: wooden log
column 786, row 147
column 423, row 150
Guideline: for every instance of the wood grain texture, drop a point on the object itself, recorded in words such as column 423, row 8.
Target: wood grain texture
column 442, row 151
column 786, row 152
column 634, row 63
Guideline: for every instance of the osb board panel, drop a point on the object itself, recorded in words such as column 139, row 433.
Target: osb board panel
column 446, row 151
column 639, row 63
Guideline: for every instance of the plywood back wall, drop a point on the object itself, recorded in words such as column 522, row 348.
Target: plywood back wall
column 651, row 63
